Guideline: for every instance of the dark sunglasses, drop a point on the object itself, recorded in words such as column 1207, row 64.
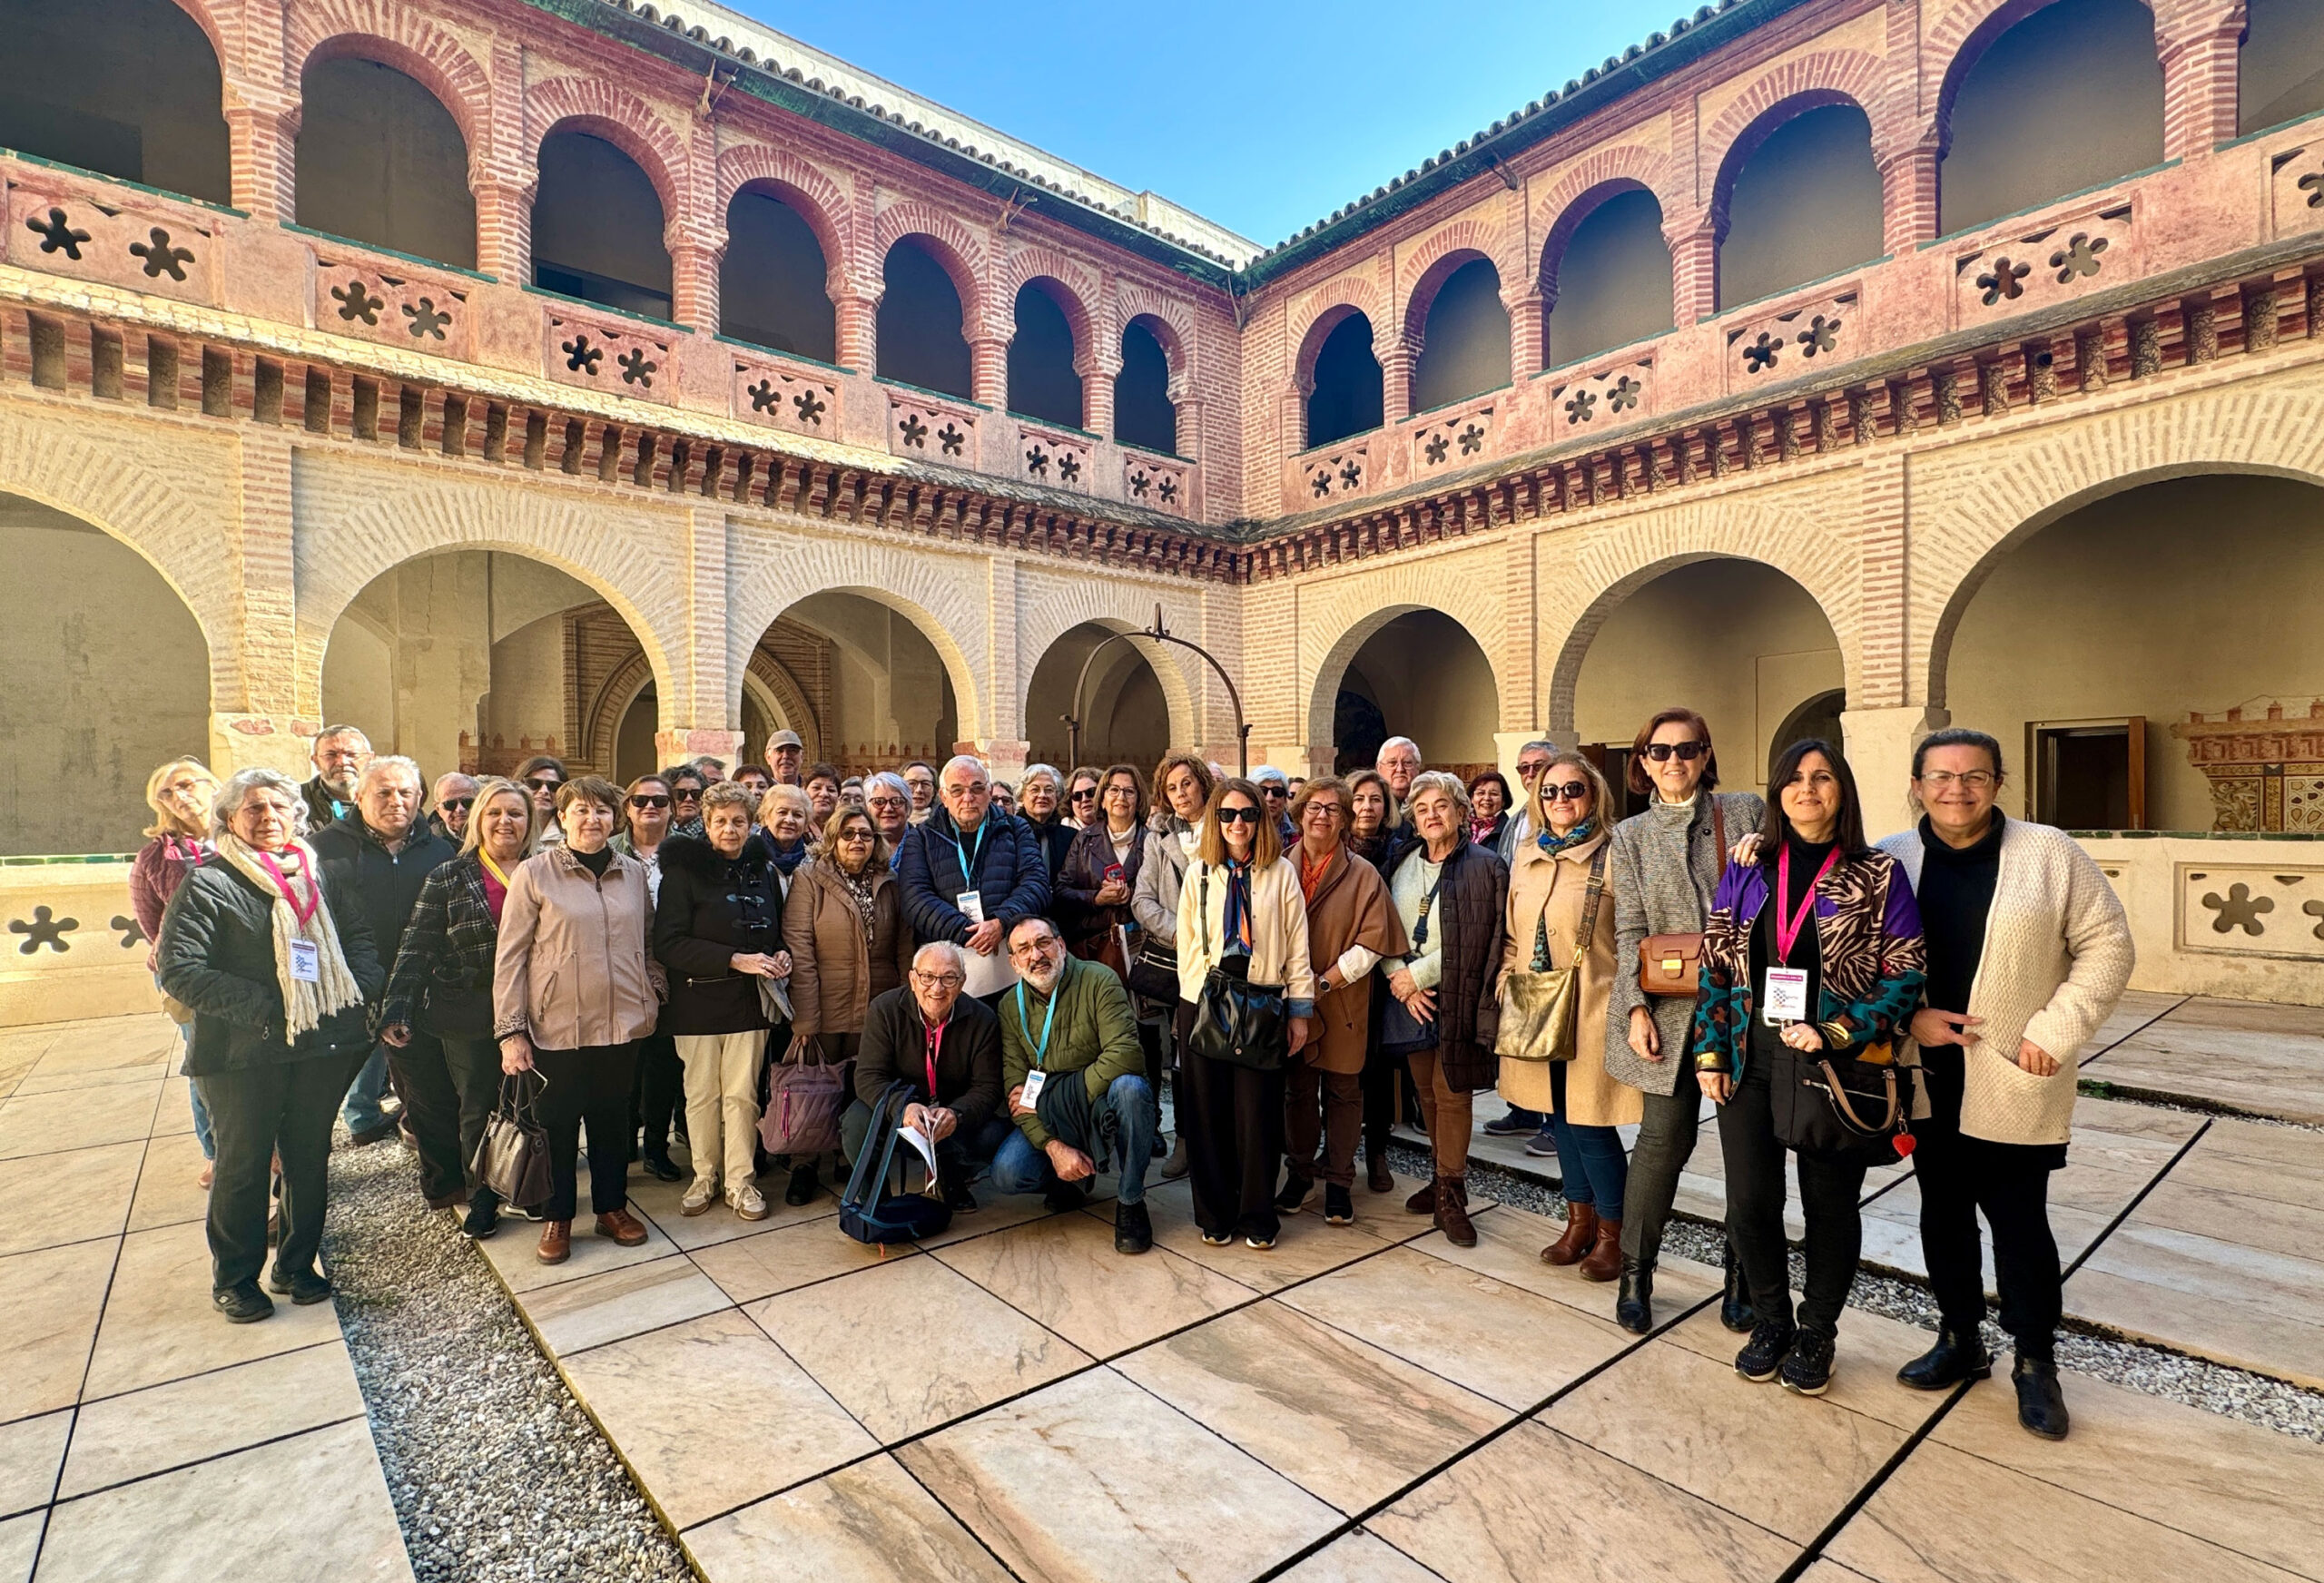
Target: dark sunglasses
column 1686, row 753
column 457, row 805
column 1275, row 792
column 1571, row 791
column 543, row 782
column 684, row 795
column 1086, row 794
column 648, row 800
column 1239, row 816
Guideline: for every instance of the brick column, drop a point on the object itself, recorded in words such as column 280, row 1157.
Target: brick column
column 693, row 280
column 1908, row 199
column 261, row 145
column 1397, row 357
column 1098, row 376
column 503, row 225
column 1694, row 268
column 264, row 722
column 1879, row 745
column 2198, row 47
column 988, row 371
column 1526, row 329
column 856, row 325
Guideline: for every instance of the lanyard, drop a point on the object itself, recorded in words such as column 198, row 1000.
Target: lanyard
column 1789, row 923
column 967, row 858
column 1041, row 1055
column 485, row 859
column 934, row 1042
column 1420, row 925
column 314, row 897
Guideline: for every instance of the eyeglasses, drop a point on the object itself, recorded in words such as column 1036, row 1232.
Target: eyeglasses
column 937, row 981
column 1273, row 793
column 1975, row 780
column 1571, row 791
column 1086, row 794
column 851, row 837
column 1686, row 753
column 648, row 800
column 1040, row 946
column 455, row 805
column 543, row 782
column 890, row 801
column 1239, row 816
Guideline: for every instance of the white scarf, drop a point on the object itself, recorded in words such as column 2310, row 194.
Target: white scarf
column 334, row 990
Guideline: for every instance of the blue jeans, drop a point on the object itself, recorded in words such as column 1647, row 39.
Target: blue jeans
column 1019, row 1167
column 361, row 1111
column 201, row 1132
column 1596, row 1170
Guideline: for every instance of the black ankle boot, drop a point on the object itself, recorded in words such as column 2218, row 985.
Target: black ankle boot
column 1735, row 1310
column 1634, row 1299
column 1955, row 1357
column 2040, row 1405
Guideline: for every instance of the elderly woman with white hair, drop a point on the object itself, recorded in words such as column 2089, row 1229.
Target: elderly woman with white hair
column 1040, row 802
column 180, row 794
column 888, row 798
column 275, row 961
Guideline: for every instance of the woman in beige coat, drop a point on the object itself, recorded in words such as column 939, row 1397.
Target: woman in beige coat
column 574, row 988
column 1549, row 890
column 845, row 931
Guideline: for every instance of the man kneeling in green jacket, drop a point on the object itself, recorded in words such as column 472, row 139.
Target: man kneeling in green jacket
column 1070, row 1060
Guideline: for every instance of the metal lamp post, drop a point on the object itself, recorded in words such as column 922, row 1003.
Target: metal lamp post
column 1160, row 633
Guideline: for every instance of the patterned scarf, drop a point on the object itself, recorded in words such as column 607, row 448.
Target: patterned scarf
column 1553, row 843
column 858, row 889
column 305, row 1003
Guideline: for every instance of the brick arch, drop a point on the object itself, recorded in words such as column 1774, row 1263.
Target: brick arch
column 395, row 35
column 349, row 536
column 602, row 715
column 1603, row 175
column 789, row 700
column 955, row 248
column 1433, row 262
column 1125, row 607
column 172, row 523
column 595, row 106
column 224, row 31
column 805, row 187
column 1322, row 313
column 1973, row 509
column 1782, row 93
column 1345, row 619
column 767, row 573
column 1068, row 285
column 1607, row 567
column 1168, row 318
column 1958, row 37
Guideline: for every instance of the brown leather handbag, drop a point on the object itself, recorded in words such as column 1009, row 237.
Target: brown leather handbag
column 1671, row 964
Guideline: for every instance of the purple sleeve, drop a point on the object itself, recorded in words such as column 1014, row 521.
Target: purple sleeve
column 1902, row 920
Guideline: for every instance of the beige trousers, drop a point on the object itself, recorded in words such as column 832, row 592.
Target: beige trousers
column 722, row 1103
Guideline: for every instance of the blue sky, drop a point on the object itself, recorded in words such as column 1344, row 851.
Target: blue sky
column 1262, row 116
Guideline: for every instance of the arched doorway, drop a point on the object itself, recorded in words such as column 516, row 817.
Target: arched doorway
column 127, row 88
column 773, row 288
column 857, row 679
column 1125, row 714
column 1737, row 641
column 1464, row 337
column 2087, row 640
column 1418, row 675
column 597, row 227
column 109, row 676
column 1346, row 393
column 1817, row 720
column 478, row 659
column 918, row 334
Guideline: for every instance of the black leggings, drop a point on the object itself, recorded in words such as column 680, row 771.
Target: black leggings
column 1829, row 1191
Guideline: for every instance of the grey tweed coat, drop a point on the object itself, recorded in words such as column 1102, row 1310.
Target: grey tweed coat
column 1662, row 882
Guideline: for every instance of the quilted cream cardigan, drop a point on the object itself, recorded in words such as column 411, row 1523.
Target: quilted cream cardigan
column 2056, row 957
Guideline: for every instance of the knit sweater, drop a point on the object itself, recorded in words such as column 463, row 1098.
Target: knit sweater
column 2057, row 954
column 1662, row 870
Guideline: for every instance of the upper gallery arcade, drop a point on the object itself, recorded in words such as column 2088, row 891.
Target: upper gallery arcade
column 580, row 373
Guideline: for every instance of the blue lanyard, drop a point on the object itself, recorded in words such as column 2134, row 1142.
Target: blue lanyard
column 968, row 870
column 1040, row 1055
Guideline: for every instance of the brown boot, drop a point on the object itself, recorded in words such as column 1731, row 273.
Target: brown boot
column 557, row 1241
column 1605, row 1260
column 1377, row 1176
column 1452, row 1212
column 1422, row 1202
column 622, row 1226
column 1581, row 1235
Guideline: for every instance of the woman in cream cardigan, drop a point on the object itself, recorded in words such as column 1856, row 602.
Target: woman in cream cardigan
column 2028, row 951
column 1241, row 911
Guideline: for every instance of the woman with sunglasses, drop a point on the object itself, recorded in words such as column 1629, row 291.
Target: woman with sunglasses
column 1240, row 913
column 1662, row 867
column 686, row 784
column 1813, row 953
column 661, row 1075
column 1549, row 902
column 1081, row 796
column 1182, row 786
column 844, row 925
column 542, row 775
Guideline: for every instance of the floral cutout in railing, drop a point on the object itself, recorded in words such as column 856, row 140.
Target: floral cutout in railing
column 2063, row 259
column 1324, row 474
column 1605, row 395
column 930, row 428
column 1448, row 441
column 786, row 396
column 1164, row 484
column 57, row 224
column 1792, row 337
column 1049, row 456
column 352, row 297
column 608, row 353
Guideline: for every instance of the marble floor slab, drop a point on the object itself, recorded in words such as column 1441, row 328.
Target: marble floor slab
column 32, row 1451
column 1337, row 1416
column 1094, row 1479
column 51, row 1302
column 1062, row 1271
column 870, row 1519
column 511, row 1252
column 1872, row 1348
column 159, row 1324
column 2253, row 1055
column 48, row 1200
column 2253, row 1309
column 1509, row 1249
column 2254, row 1158
column 74, row 1118
column 1307, row 1245
column 789, row 1257
column 169, row 1183
column 575, row 1316
column 19, row 1543
column 713, row 1415
column 913, row 1345
column 189, row 1421
column 174, row 1113
column 1360, row 1557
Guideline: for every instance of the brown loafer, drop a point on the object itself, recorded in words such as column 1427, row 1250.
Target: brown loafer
column 622, row 1226
column 557, row 1241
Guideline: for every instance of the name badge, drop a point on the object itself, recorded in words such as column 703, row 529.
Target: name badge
column 1034, row 1080
column 306, row 961
column 1787, row 996
column 971, row 906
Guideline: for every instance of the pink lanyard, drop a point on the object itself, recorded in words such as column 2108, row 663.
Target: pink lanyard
column 307, row 872
column 1787, row 933
column 935, row 1042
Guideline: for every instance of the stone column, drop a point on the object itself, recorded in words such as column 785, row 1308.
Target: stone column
column 693, row 280
column 1879, row 745
column 1528, row 316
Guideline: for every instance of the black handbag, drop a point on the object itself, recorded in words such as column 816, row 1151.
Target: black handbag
column 1154, row 971
column 1841, row 1107
column 1236, row 1020
column 512, row 1157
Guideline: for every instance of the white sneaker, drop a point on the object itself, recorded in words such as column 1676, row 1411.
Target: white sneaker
column 746, row 1202
column 699, row 1197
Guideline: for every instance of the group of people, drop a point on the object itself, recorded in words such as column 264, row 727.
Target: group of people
column 1289, row 957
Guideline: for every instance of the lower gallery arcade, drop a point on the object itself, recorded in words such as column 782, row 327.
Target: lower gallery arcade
column 2124, row 591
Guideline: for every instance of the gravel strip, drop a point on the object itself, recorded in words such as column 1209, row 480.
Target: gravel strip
column 495, row 1472
column 2218, row 1388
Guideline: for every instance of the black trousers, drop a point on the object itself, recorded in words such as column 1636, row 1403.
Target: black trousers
column 475, row 1065
column 258, row 1114
column 431, row 1110
column 1829, row 1191
column 588, row 1086
column 658, row 1090
column 1232, row 1119
column 1960, row 1175
column 1666, row 1140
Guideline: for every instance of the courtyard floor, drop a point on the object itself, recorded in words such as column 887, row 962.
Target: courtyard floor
column 1015, row 1400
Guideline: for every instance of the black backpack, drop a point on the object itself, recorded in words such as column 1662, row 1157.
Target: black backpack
column 868, row 1212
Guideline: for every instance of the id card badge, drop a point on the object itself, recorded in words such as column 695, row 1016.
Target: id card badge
column 971, row 906
column 306, row 961
column 1787, row 997
column 1034, row 1080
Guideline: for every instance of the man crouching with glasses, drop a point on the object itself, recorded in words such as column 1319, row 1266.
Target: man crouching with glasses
column 946, row 1046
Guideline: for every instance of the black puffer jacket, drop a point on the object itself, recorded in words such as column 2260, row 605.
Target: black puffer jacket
column 216, row 956
column 385, row 884
column 1472, row 899
column 713, row 907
